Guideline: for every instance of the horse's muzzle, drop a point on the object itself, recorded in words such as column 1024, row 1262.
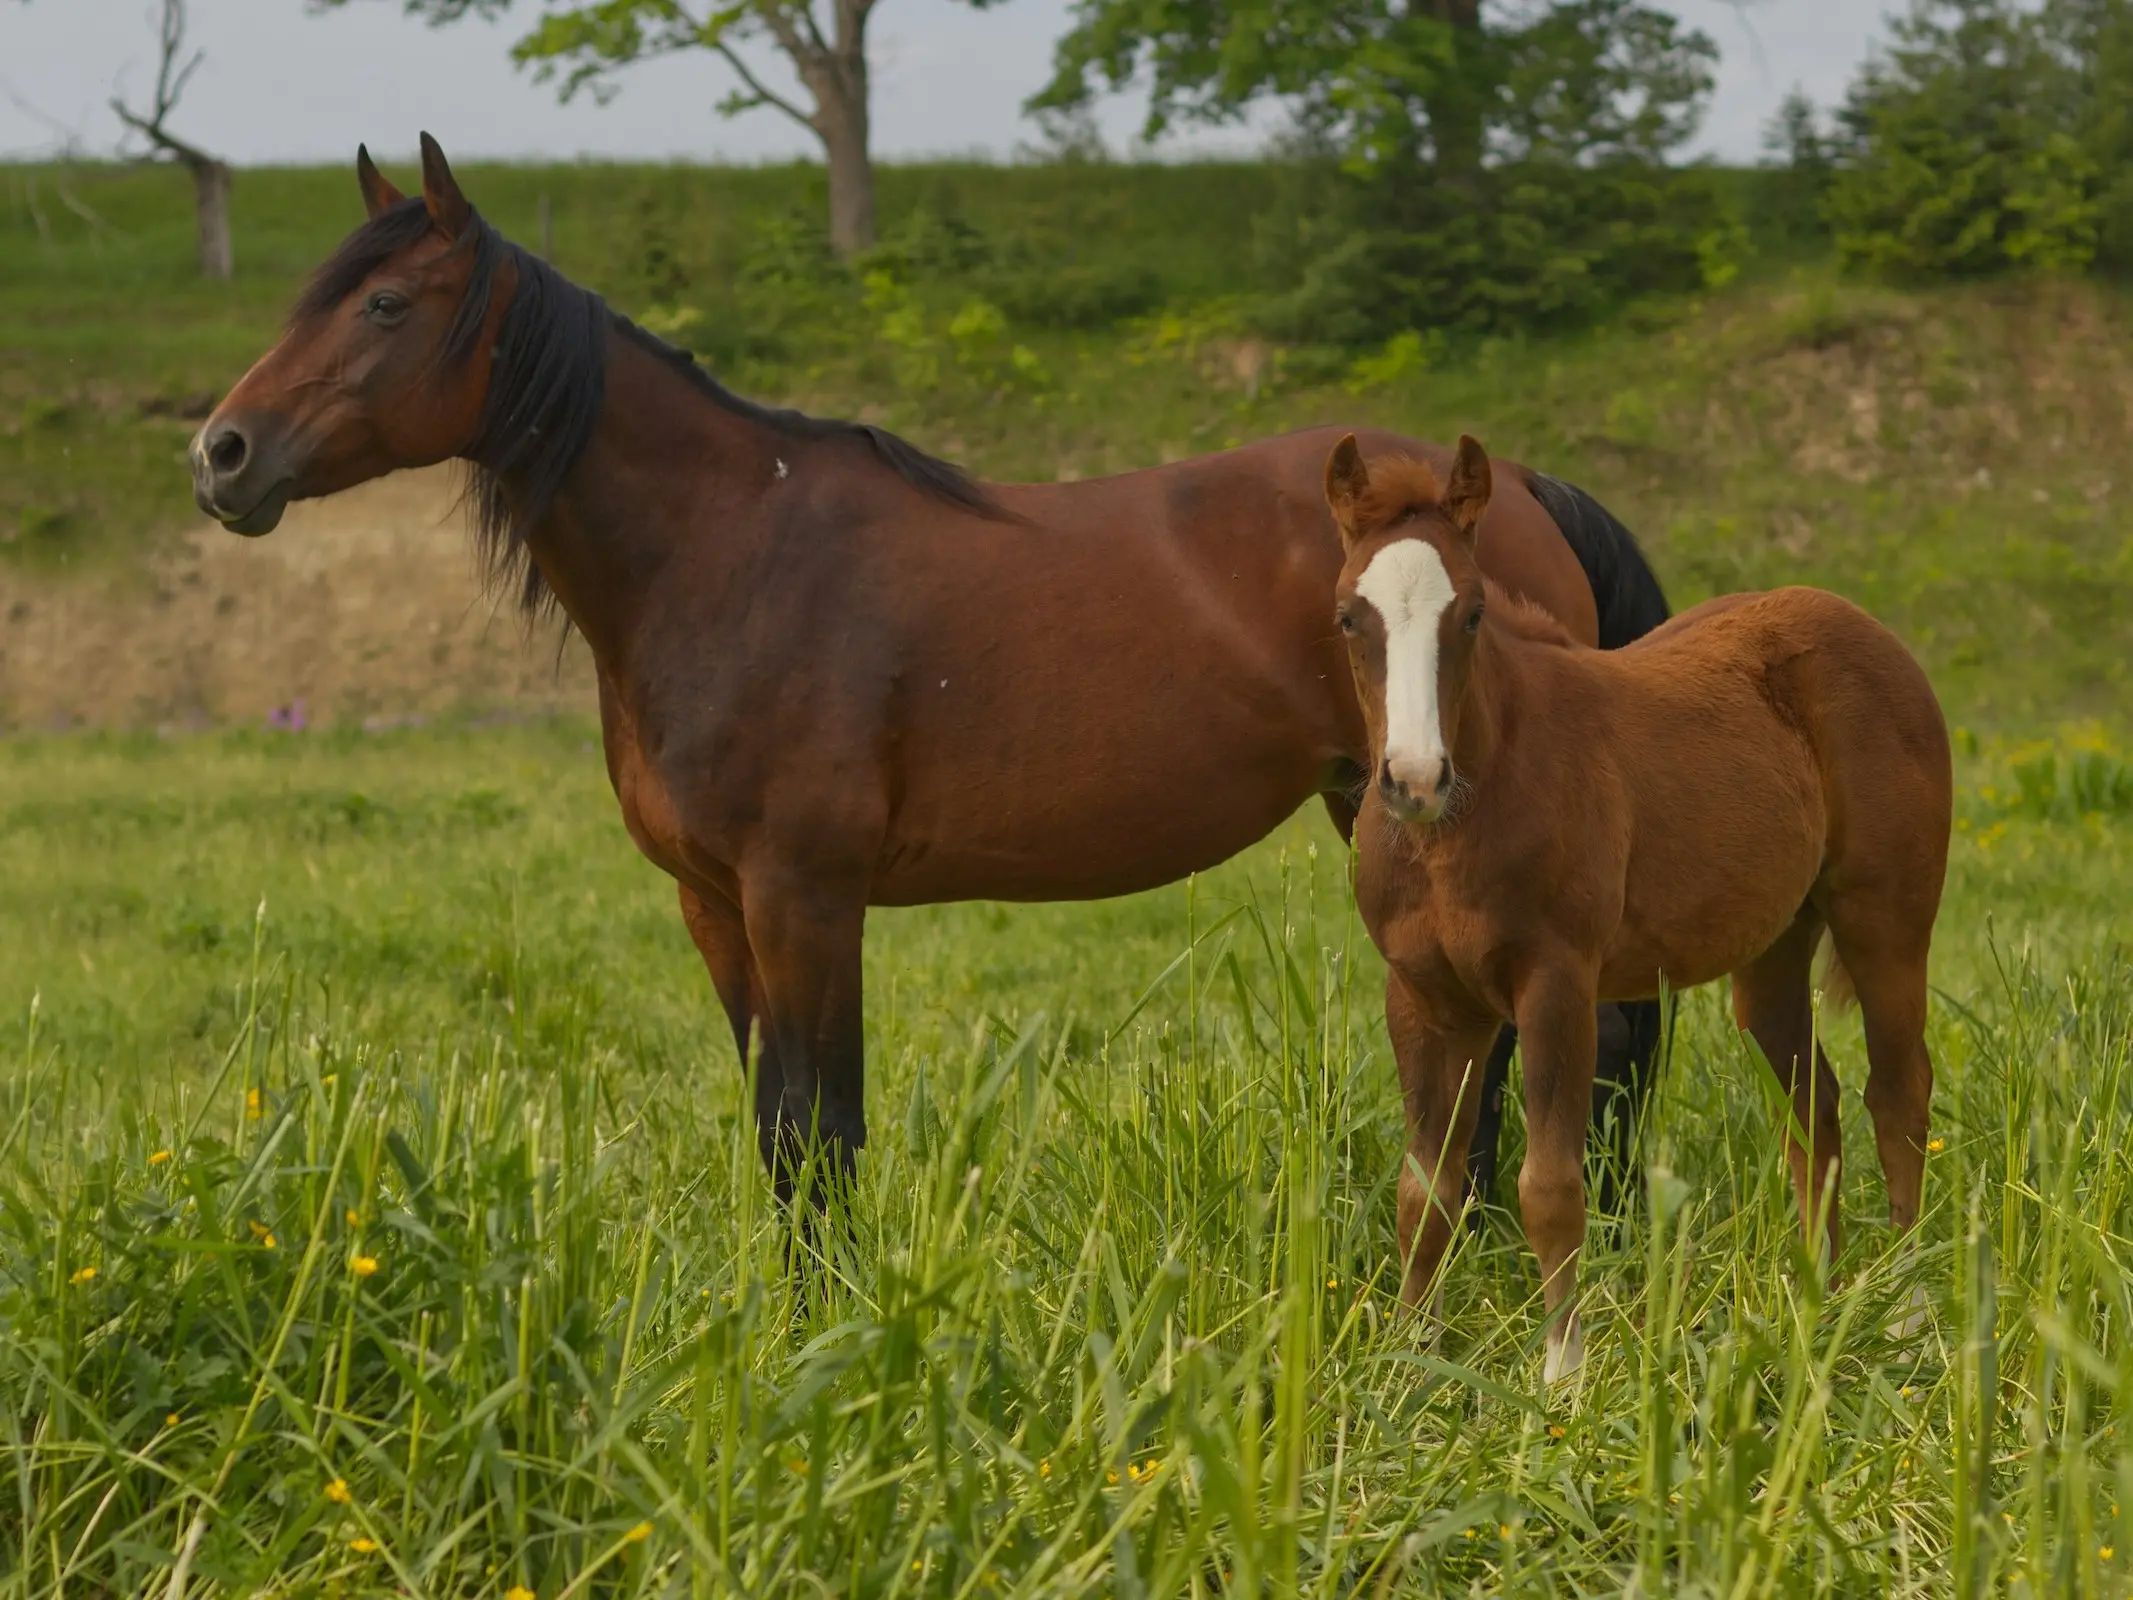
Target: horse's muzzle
column 235, row 481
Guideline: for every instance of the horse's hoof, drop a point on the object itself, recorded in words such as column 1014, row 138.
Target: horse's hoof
column 1913, row 1321
column 1566, row 1352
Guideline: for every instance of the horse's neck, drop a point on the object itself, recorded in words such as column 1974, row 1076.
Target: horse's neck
column 665, row 471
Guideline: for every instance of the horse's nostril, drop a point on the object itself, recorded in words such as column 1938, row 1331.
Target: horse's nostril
column 1444, row 777
column 227, row 452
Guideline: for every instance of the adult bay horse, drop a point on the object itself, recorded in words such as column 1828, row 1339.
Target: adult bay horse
column 1551, row 826
column 835, row 672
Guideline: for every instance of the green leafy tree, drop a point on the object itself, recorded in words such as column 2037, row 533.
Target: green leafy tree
column 1974, row 143
column 1439, row 84
column 584, row 47
column 1457, row 167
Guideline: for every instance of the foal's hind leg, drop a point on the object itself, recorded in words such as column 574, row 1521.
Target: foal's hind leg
column 1887, row 963
column 1773, row 1001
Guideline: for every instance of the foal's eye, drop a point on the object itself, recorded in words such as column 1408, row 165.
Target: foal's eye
column 1473, row 620
column 386, row 307
column 1347, row 622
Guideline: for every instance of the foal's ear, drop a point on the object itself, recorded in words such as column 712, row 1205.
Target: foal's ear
column 1467, row 495
column 1347, row 481
column 378, row 195
column 449, row 210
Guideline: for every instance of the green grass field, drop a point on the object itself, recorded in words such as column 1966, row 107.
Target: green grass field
column 377, row 1210
column 375, row 1218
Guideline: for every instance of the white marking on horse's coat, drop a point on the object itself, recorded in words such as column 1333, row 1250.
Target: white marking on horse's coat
column 1408, row 585
column 782, row 472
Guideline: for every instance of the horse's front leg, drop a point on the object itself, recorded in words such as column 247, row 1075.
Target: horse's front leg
column 1558, row 1032
column 804, row 930
column 721, row 938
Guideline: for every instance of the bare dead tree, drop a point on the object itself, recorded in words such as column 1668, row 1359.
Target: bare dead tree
column 211, row 178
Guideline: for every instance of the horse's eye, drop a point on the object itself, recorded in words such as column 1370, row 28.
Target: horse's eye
column 1473, row 621
column 386, row 308
column 1347, row 623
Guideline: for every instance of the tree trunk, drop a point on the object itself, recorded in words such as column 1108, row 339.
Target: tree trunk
column 851, row 179
column 211, row 206
column 1457, row 115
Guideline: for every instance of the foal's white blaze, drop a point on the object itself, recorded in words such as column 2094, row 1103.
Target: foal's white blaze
column 1408, row 585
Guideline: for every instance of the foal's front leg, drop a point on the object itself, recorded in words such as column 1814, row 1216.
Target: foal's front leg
column 1440, row 1085
column 1557, row 1029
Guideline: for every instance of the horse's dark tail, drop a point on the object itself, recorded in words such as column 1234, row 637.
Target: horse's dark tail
column 1624, row 587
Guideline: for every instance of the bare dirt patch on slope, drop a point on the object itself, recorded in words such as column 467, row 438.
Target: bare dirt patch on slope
column 364, row 607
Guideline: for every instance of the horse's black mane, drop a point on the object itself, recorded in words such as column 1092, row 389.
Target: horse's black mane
column 549, row 382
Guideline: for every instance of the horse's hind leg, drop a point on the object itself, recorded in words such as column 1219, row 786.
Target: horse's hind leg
column 1887, row 965
column 1773, row 1000
column 1481, row 1150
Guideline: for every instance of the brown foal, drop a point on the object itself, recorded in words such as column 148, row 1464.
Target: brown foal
column 1552, row 825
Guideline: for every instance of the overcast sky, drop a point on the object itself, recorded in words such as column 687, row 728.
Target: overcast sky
column 284, row 84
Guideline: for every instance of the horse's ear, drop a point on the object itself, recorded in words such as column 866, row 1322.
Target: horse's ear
column 449, row 210
column 1466, row 497
column 1347, row 481
column 378, row 195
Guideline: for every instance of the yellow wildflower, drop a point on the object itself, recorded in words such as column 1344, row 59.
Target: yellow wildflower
column 1044, row 1469
column 337, row 1492
column 518, row 1591
column 267, row 1242
column 1110, row 1477
column 1555, row 1430
column 1936, row 1145
column 157, row 1159
column 253, row 1107
column 83, row 1276
column 355, row 1217
column 1503, row 1530
column 362, row 1546
column 638, row 1534
column 171, row 1421
column 2106, row 1552
column 1333, row 1283
column 362, row 1266
column 259, row 1229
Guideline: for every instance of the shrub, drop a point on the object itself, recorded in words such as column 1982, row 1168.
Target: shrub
column 1531, row 246
column 1989, row 137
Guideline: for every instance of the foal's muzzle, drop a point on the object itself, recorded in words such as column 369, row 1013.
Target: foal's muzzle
column 1415, row 790
column 240, row 475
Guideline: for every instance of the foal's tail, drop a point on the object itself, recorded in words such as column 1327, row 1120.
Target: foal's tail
column 1624, row 587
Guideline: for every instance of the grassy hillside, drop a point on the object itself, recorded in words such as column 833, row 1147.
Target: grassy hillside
column 1953, row 460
